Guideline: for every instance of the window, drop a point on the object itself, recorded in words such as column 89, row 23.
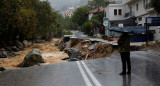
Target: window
column 115, row 12
column 130, row 9
column 120, row 11
column 137, row 6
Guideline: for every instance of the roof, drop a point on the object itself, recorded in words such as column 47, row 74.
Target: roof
column 68, row 13
column 100, row 9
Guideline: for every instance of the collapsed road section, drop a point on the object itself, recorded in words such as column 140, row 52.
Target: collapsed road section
column 82, row 48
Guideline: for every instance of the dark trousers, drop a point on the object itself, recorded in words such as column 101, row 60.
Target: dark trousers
column 125, row 58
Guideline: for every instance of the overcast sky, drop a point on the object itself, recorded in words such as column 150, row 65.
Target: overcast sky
column 58, row 4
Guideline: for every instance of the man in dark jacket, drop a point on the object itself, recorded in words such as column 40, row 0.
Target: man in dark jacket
column 124, row 49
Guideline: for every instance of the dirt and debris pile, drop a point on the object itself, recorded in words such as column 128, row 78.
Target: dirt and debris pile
column 34, row 57
column 102, row 50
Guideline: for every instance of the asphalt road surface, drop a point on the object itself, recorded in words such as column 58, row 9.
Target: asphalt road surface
column 97, row 72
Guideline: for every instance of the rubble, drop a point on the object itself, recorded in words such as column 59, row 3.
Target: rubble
column 89, row 49
column 73, row 53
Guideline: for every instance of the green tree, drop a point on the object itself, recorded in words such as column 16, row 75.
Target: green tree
column 156, row 5
column 47, row 18
column 88, row 26
column 97, row 19
column 97, row 3
column 27, row 23
column 79, row 15
column 23, row 18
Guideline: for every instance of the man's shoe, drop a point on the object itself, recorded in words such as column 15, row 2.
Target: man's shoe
column 122, row 73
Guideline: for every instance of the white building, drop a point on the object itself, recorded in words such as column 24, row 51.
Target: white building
column 139, row 9
column 68, row 14
column 115, row 12
column 135, row 10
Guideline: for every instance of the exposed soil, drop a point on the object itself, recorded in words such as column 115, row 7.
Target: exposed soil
column 49, row 51
column 154, row 47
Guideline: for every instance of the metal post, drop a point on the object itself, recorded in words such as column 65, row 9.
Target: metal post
column 108, row 28
column 147, row 27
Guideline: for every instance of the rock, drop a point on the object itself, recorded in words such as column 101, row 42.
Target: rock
column 26, row 43
column 8, row 48
column 57, row 43
column 14, row 48
column 17, row 53
column 72, row 52
column 2, row 69
column 34, row 57
column 11, row 54
column 19, row 45
column 40, row 41
column 73, row 59
column 48, row 39
column 3, row 54
column 1, row 62
column 61, row 45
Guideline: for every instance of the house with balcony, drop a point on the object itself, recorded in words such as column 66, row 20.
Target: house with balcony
column 134, row 13
column 140, row 9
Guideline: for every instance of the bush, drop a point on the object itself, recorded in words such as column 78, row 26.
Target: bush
column 87, row 26
column 66, row 32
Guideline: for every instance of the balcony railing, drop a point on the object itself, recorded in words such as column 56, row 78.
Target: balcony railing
column 148, row 6
column 129, row 14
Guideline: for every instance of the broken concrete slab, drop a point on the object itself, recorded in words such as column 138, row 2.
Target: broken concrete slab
column 72, row 52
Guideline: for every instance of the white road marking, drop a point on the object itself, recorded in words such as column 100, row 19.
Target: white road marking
column 87, row 82
column 96, row 82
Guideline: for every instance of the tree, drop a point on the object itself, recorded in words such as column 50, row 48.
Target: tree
column 156, row 5
column 97, row 3
column 47, row 18
column 88, row 26
column 24, row 18
column 79, row 15
column 97, row 19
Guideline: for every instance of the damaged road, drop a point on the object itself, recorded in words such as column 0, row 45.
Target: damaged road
column 97, row 72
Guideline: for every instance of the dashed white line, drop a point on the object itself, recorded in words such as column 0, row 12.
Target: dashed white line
column 87, row 82
column 96, row 82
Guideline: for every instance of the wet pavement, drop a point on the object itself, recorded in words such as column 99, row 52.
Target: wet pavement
column 97, row 72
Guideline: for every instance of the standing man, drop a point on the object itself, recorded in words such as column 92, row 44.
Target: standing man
column 124, row 49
